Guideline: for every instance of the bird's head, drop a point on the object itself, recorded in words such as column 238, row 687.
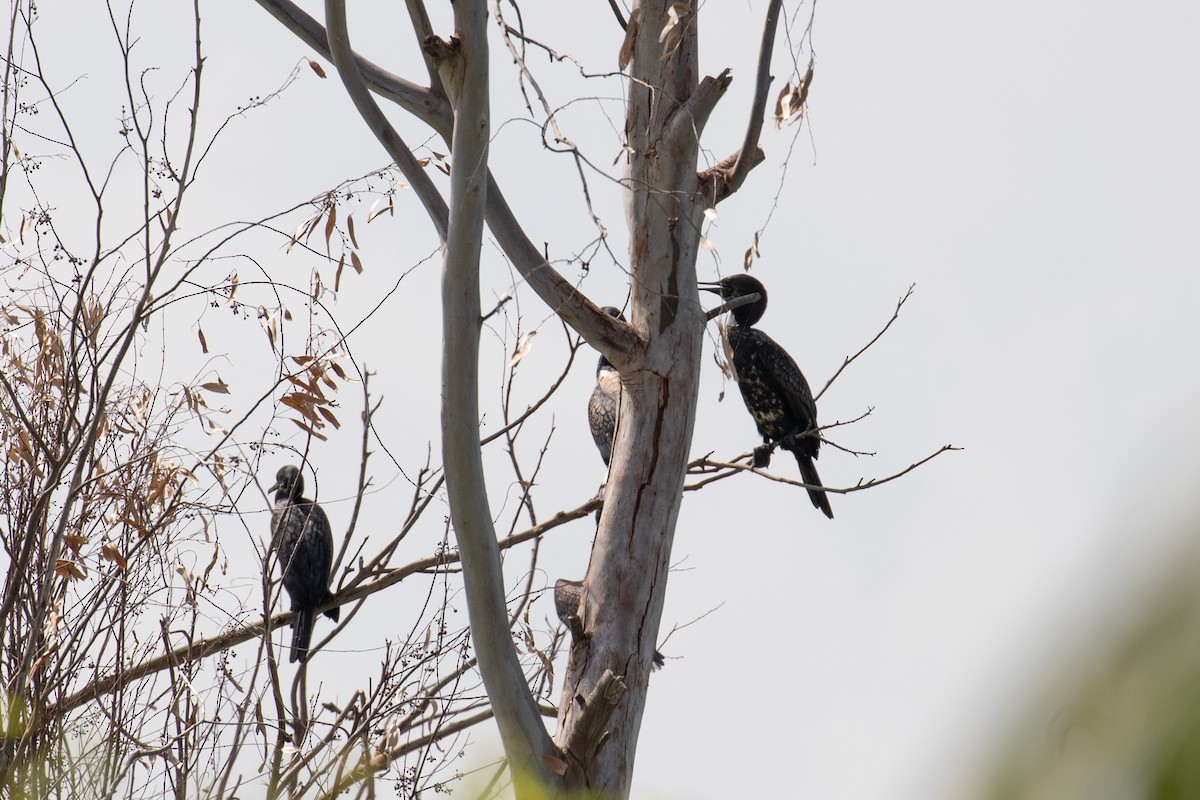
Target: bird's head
column 613, row 311
column 289, row 482
column 732, row 287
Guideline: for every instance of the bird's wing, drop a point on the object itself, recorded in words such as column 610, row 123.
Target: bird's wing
column 781, row 373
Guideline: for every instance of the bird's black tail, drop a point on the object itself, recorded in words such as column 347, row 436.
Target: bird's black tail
column 302, row 627
column 808, row 471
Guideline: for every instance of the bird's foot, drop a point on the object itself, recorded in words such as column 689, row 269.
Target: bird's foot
column 762, row 456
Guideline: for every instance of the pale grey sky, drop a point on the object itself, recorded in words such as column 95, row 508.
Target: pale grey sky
column 1032, row 167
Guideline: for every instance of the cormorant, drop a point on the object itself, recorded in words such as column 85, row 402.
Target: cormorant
column 602, row 407
column 303, row 543
column 772, row 386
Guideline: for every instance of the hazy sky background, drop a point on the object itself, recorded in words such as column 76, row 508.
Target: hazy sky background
column 1031, row 167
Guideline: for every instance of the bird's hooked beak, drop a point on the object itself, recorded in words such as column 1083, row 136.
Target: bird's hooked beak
column 708, row 286
column 277, row 487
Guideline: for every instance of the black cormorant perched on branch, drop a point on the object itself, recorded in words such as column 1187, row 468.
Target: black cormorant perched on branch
column 774, row 389
column 303, row 543
column 602, row 407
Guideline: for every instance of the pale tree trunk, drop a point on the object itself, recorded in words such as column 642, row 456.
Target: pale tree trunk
column 627, row 577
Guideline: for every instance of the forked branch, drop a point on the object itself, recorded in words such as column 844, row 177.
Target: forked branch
column 347, row 67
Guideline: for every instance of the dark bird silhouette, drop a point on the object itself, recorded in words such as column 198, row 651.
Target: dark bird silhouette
column 602, row 406
column 303, row 542
column 772, row 386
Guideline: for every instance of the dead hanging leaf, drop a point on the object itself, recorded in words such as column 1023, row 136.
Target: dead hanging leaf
column 376, row 210
column 310, row 431
column 671, row 36
column 269, row 327
column 751, row 253
column 203, row 343
column 710, row 214
column 706, row 244
column 783, row 107
column 303, row 360
column 356, row 262
column 317, row 68
column 233, row 284
column 337, row 276
column 327, row 414
column 114, row 555
column 330, row 225
column 69, row 570
column 792, row 100
column 442, row 167
column 350, row 228
column 304, row 229
column 74, row 542
column 523, row 348
column 625, row 56
column 218, row 386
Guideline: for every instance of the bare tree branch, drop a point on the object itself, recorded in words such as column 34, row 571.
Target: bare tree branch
column 372, row 114
column 726, row 469
column 431, row 108
column 616, row 340
column 758, row 108
column 522, row 731
column 850, row 359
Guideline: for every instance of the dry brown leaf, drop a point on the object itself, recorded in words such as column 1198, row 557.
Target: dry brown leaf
column 523, row 348
column 203, row 343
column 219, row 386
column 69, row 570
column 327, row 414
column 375, row 211
column 356, row 262
column 350, row 227
column 310, row 431
column 625, row 55
column 330, row 224
column 304, row 229
column 317, row 68
column 783, row 104
column 114, row 555
column 671, row 36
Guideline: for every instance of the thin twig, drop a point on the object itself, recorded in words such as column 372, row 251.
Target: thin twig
column 850, row 359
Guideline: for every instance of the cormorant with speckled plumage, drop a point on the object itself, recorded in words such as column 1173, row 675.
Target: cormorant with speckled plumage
column 772, row 386
column 303, row 543
column 605, row 399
